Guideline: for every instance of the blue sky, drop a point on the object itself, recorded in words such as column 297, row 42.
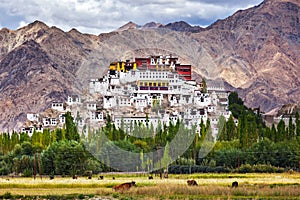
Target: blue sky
column 98, row 16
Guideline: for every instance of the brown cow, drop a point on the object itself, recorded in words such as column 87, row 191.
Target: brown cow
column 192, row 183
column 124, row 186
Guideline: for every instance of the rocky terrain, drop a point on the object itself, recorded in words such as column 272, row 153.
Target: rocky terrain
column 254, row 51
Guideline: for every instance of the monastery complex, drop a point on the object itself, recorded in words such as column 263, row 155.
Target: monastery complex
column 150, row 91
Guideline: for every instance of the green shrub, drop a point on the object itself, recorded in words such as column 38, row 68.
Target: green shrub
column 246, row 168
column 4, row 170
column 80, row 196
column 187, row 169
column 27, row 173
column 7, row 195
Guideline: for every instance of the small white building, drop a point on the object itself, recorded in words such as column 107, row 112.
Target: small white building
column 109, row 101
column 91, row 106
column 140, row 103
column 201, row 99
column 59, row 106
column 33, row 117
column 74, row 99
column 123, row 101
column 49, row 121
column 62, row 118
column 29, row 130
column 97, row 116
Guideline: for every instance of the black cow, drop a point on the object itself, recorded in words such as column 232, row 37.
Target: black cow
column 235, row 184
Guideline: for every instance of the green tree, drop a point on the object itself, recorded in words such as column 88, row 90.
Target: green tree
column 46, row 138
column 222, row 129
column 291, row 129
column 166, row 159
column 297, row 120
column 27, row 148
column 71, row 132
column 243, row 131
column 14, row 139
column 252, row 130
column 204, row 86
column 281, row 131
column 64, row 157
column 233, row 98
column 231, row 129
column 228, row 157
column 273, row 135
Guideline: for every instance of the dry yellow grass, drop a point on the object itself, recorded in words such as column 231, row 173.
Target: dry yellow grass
column 209, row 186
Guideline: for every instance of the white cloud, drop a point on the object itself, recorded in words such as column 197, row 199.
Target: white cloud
column 96, row 16
column 22, row 23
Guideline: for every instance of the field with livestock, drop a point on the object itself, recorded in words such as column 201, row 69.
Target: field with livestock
column 210, row 186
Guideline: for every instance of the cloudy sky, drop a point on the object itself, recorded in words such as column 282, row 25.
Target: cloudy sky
column 98, row 16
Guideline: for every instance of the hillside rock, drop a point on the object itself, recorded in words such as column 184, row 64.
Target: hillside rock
column 30, row 81
column 257, row 50
column 182, row 27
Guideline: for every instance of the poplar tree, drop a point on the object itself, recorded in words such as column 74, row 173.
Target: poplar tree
column 71, row 128
column 291, row 129
column 281, row 131
column 297, row 124
column 231, row 129
column 273, row 133
column 222, row 129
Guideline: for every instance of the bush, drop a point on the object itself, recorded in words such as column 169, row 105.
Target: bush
column 264, row 169
column 259, row 169
column 7, row 195
column 27, row 173
column 4, row 170
column 245, row 169
column 187, row 169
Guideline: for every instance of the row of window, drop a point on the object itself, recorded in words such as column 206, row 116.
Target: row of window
column 57, row 105
column 147, row 83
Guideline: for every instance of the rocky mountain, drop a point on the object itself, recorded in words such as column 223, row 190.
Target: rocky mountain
column 152, row 25
column 128, row 26
column 257, row 51
column 182, row 26
column 254, row 51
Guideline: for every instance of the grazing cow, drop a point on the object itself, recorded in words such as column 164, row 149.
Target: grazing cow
column 124, row 186
column 235, row 184
column 100, row 178
column 150, row 177
column 75, row 176
column 192, row 183
column 113, row 178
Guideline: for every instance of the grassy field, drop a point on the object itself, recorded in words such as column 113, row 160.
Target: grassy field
column 214, row 186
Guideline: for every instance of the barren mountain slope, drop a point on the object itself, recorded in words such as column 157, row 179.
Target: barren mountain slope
column 30, row 81
column 257, row 50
